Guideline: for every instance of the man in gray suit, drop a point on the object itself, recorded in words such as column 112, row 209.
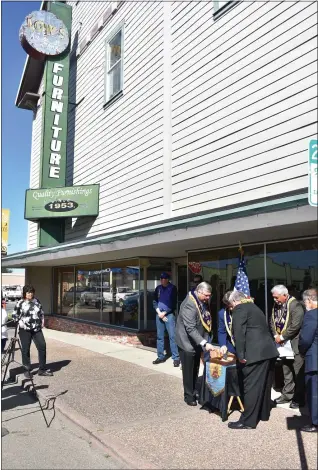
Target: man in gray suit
column 287, row 318
column 192, row 333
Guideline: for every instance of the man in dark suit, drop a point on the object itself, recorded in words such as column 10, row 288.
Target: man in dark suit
column 192, row 335
column 287, row 318
column 308, row 347
column 256, row 351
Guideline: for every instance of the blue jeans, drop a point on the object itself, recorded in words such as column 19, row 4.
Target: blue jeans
column 161, row 326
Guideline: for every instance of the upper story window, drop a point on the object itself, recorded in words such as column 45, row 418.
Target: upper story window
column 222, row 6
column 114, row 64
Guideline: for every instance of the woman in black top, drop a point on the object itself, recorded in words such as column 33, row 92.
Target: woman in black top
column 29, row 313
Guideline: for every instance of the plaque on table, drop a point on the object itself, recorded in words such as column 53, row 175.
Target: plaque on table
column 223, row 360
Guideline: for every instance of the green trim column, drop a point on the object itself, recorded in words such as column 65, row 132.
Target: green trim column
column 54, row 128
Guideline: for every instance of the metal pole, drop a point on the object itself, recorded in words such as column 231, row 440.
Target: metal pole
column 145, row 299
column 265, row 284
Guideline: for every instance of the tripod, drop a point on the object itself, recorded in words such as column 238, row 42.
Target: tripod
column 9, row 357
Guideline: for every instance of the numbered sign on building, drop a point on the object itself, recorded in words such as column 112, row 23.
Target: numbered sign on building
column 313, row 173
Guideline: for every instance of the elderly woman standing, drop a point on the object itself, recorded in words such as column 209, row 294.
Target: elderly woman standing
column 29, row 313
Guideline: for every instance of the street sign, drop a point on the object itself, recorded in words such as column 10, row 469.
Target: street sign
column 313, row 173
column 52, row 203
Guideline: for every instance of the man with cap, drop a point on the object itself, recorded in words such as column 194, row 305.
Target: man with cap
column 165, row 302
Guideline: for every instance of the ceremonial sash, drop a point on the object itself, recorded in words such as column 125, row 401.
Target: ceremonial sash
column 280, row 316
column 205, row 316
column 228, row 325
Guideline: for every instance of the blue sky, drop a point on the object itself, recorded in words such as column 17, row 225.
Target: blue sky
column 16, row 123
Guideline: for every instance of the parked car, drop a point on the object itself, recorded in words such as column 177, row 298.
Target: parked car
column 68, row 297
column 13, row 293
column 121, row 294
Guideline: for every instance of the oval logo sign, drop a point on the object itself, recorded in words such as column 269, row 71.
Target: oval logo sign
column 43, row 34
column 61, row 206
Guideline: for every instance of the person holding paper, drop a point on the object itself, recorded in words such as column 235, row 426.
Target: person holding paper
column 308, row 346
column 165, row 304
column 286, row 321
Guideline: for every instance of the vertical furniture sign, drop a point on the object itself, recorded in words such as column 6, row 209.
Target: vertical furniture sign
column 54, row 127
column 55, row 110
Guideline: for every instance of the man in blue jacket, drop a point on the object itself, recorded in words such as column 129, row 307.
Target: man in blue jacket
column 165, row 303
column 308, row 347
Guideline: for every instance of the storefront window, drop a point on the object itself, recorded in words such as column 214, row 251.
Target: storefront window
column 219, row 268
column 120, row 294
column 64, row 291
column 292, row 263
column 154, row 268
column 87, row 292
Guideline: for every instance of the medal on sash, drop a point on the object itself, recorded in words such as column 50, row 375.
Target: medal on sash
column 280, row 316
column 204, row 315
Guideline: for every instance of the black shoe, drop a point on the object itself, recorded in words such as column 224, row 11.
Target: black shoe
column 238, row 425
column 27, row 375
column 191, row 403
column 309, row 428
column 176, row 363
column 281, row 400
column 158, row 361
column 45, row 373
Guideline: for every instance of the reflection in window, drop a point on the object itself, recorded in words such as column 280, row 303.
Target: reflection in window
column 64, row 291
column 114, row 65
column 119, row 301
column 294, row 264
column 219, row 268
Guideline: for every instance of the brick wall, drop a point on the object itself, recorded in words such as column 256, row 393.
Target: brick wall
column 103, row 333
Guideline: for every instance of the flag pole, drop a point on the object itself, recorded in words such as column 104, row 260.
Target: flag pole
column 241, row 251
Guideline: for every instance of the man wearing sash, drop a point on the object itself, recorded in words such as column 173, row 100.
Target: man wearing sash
column 192, row 336
column 286, row 321
column 225, row 334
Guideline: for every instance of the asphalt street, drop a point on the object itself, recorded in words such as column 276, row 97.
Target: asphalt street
column 31, row 445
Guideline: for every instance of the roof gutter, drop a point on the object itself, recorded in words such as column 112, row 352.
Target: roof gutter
column 257, row 208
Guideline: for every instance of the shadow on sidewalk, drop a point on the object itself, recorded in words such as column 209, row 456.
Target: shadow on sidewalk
column 53, row 366
column 295, row 423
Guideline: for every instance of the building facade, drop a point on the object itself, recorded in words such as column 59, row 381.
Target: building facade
column 195, row 119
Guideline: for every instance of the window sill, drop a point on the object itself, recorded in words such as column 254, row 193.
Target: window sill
column 113, row 99
column 225, row 9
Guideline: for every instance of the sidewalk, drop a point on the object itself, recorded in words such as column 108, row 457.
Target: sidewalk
column 136, row 410
column 29, row 445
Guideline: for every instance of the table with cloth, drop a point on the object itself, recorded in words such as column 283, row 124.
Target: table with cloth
column 219, row 383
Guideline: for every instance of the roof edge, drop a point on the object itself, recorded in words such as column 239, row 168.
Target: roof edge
column 26, row 68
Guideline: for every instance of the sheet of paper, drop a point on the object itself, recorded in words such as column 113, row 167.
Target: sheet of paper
column 285, row 350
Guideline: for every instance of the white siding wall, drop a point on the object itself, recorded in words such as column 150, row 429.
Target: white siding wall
column 244, row 102
column 120, row 147
column 35, row 165
column 243, row 108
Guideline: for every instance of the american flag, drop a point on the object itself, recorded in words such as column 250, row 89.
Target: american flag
column 241, row 282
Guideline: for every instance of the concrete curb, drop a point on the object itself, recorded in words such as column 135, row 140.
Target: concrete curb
column 89, row 431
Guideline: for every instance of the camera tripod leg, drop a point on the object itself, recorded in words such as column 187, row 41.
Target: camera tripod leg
column 38, row 399
column 8, row 355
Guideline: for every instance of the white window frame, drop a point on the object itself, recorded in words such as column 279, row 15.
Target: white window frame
column 115, row 31
column 219, row 10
